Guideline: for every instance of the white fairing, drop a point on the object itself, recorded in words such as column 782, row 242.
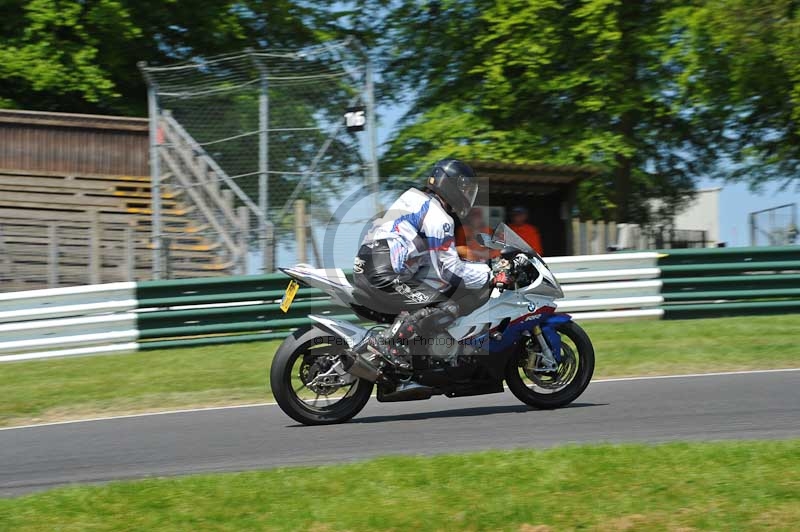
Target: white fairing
column 546, row 284
column 352, row 334
column 332, row 281
column 535, row 298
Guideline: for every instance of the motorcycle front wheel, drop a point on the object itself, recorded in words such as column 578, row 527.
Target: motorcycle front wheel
column 300, row 385
column 547, row 389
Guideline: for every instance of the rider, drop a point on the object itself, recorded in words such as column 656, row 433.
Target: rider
column 408, row 264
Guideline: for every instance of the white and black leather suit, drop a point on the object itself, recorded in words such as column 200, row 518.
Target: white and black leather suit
column 408, row 260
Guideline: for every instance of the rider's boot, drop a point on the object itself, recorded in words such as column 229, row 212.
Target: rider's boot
column 394, row 344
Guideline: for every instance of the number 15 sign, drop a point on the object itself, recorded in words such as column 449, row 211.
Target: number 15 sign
column 355, row 118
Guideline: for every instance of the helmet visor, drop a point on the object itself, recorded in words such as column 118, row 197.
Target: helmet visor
column 469, row 188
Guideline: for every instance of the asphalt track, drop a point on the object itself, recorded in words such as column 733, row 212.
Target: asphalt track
column 762, row 405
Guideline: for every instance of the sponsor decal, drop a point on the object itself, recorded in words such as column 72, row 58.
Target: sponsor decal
column 410, row 293
column 358, row 265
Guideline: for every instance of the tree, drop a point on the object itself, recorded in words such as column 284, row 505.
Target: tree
column 562, row 81
column 80, row 56
column 739, row 63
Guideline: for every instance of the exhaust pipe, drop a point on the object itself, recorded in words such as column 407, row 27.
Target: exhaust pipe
column 358, row 366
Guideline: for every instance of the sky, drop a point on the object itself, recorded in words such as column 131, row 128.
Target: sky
column 736, row 202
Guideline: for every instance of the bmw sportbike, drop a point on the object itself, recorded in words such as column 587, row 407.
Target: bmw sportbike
column 325, row 373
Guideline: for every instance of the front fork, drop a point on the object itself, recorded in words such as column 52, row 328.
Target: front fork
column 549, row 342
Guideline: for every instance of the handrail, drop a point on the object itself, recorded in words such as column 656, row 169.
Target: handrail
column 201, row 153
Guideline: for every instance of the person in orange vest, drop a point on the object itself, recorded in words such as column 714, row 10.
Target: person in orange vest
column 529, row 233
column 466, row 241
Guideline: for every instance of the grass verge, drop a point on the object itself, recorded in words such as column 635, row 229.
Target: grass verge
column 71, row 388
column 699, row 486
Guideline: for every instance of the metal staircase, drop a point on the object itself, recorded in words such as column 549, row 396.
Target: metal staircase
column 209, row 191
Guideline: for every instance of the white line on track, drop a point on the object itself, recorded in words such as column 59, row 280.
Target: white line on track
column 256, row 405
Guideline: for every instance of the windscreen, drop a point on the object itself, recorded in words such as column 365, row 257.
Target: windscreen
column 504, row 234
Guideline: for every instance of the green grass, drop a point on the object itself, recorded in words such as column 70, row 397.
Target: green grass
column 695, row 346
column 154, row 380
column 699, row 486
column 235, row 374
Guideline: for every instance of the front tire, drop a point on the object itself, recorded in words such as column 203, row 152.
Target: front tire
column 308, row 350
column 542, row 390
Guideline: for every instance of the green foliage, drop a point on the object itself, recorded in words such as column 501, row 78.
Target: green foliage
column 52, row 48
column 653, row 93
column 78, row 56
column 739, row 69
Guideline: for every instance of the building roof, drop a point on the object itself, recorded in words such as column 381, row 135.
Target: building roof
column 528, row 178
column 532, row 172
column 25, row 118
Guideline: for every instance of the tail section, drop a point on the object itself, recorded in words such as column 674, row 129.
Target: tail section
column 332, row 281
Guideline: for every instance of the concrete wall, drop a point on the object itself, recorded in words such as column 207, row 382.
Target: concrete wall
column 702, row 214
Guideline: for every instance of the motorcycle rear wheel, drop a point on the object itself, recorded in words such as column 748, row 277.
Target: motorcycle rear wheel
column 294, row 365
column 548, row 390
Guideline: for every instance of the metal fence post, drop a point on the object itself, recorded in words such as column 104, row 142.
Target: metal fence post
column 130, row 254
column 52, row 255
column 372, row 132
column 94, row 247
column 244, row 227
column 267, row 258
column 300, row 229
column 155, row 171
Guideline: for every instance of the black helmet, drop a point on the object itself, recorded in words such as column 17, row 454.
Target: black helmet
column 455, row 182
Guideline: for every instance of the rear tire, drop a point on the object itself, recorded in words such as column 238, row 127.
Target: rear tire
column 313, row 342
column 521, row 387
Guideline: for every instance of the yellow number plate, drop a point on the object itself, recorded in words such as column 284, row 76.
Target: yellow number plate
column 288, row 297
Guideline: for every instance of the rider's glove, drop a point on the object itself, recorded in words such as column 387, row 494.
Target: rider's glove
column 520, row 260
column 502, row 273
column 501, row 280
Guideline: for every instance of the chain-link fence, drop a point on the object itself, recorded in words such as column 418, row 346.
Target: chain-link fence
column 241, row 140
column 776, row 226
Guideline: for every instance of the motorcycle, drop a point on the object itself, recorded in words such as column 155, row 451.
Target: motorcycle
column 324, row 373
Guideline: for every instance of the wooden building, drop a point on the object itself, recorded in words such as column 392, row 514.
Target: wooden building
column 75, row 204
column 547, row 191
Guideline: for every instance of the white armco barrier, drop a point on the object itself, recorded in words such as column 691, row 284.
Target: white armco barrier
column 27, row 335
column 613, row 286
column 107, row 349
column 652, row 313
column 76, row 320
column 610, row 261
column 610, row 267
column 600, row 290
column 70, row 301
column 101, row 319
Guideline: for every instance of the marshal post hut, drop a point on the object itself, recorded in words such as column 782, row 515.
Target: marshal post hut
column 547, row 191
